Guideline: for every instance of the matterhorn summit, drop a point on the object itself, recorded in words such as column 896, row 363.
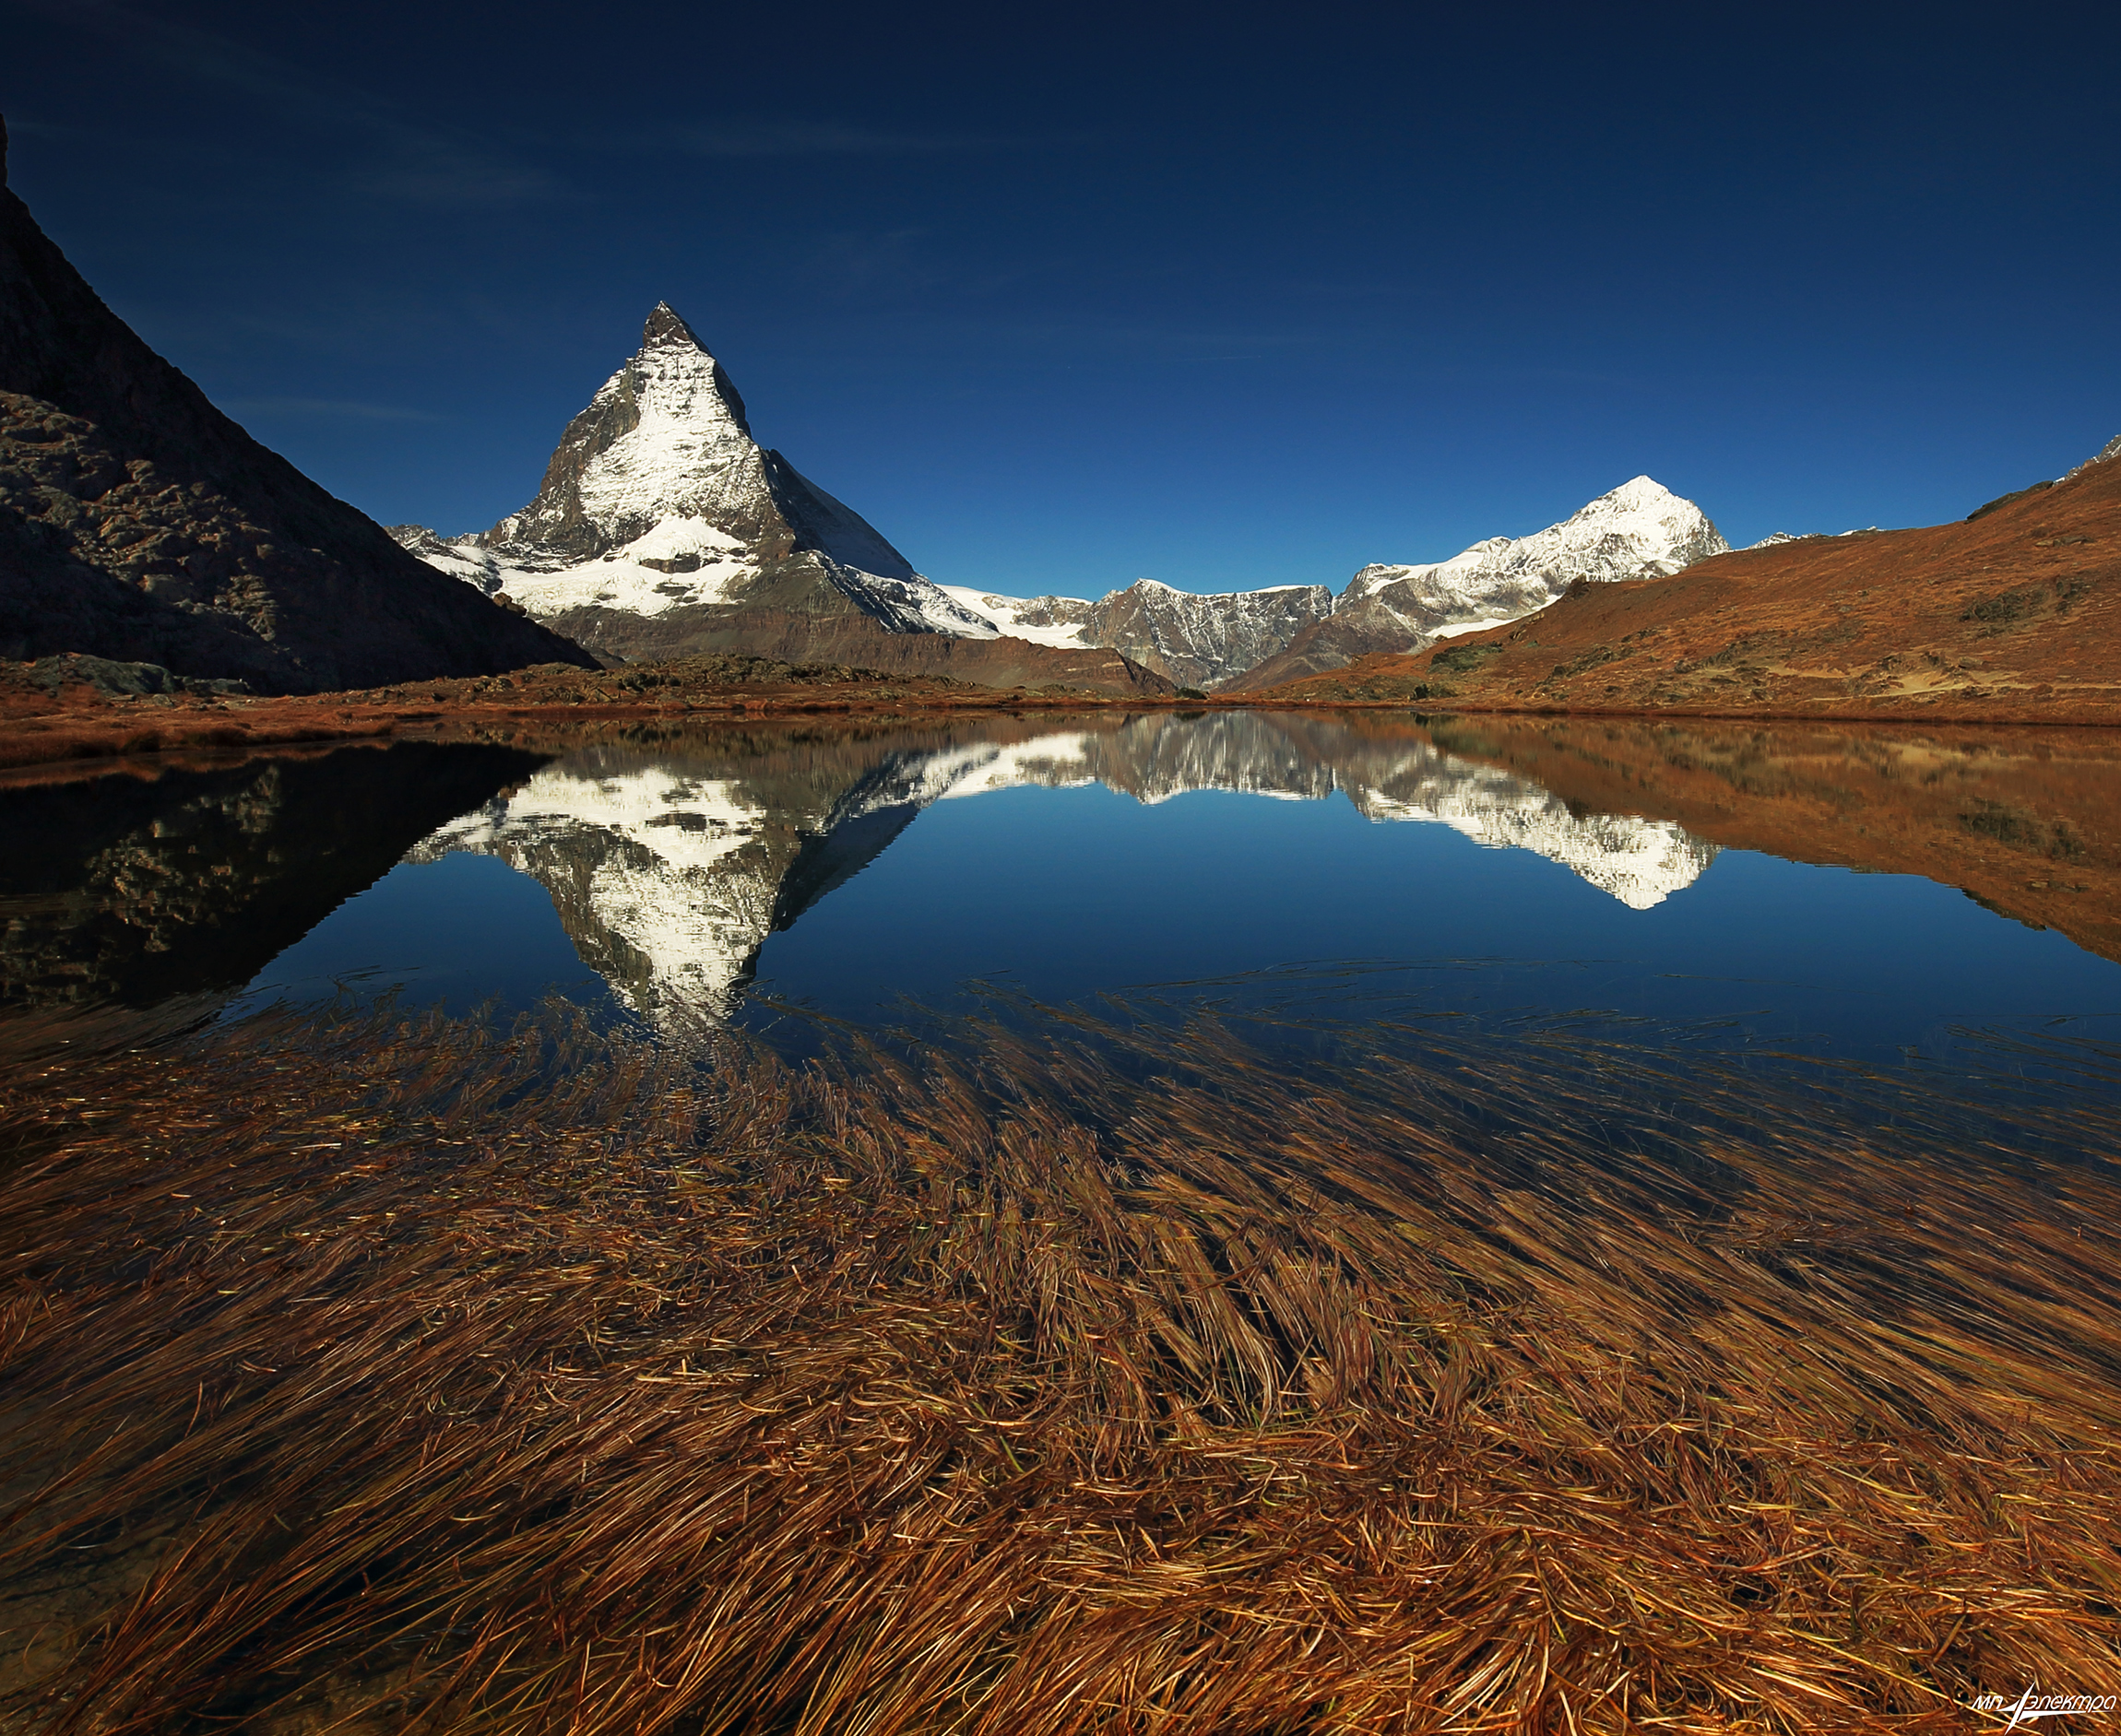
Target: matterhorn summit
column 662, row 528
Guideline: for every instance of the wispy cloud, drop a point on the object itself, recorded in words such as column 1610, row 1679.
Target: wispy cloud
column 405, row 160
column 822, row 138
column 333, row 409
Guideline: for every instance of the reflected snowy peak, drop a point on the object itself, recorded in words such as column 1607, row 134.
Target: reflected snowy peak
column 669, row 867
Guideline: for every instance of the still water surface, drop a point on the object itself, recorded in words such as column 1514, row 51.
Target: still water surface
column 1839, row 893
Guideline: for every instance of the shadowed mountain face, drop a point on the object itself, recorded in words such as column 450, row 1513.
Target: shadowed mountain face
column 133, row 887
column 138, row 523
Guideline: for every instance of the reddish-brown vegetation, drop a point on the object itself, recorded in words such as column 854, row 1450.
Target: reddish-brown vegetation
column 1107, row 1379
column 40, row 724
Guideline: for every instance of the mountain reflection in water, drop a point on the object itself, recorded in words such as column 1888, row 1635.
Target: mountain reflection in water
column 158, row 881
column 671, row 867
column 671, row 857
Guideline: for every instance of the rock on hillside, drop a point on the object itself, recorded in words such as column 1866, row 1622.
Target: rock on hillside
column 1640, row 530
column 663, row 529
column 138, row 523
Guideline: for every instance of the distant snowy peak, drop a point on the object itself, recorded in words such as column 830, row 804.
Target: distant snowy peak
column 2105, row 455
column 657, row 502
column 1776, row 538
column 1639, row 530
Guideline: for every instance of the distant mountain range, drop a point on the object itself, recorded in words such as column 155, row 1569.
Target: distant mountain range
column 1242, row 641
column 662, row 528
column 138, row 523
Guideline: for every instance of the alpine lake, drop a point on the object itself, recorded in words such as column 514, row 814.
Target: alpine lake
column 1829, row 892
column 1248, row 1220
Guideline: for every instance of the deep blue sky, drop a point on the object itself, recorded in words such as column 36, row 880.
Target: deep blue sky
column 1059, row 297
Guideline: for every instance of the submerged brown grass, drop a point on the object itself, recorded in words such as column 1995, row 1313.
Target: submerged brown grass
column 1116, row 1378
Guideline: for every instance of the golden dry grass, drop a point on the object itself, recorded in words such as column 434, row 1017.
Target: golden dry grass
column 1066, row 1378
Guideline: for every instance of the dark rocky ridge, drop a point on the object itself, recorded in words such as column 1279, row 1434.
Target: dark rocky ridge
column 138, row 523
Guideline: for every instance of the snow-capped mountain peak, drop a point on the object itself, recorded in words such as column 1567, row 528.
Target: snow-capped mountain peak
column 1639, row 530
column 660, row 517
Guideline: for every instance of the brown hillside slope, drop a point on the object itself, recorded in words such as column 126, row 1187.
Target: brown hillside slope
column 2014, row 615
column 138, row 523
column 808, row 634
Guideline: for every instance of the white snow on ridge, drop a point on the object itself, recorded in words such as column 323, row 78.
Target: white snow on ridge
column 1457, row 629
column 1776, row 538
column 688, row 447
column 1639, row 530
column 617, row 580
column 1005, row 614
column 658, row 498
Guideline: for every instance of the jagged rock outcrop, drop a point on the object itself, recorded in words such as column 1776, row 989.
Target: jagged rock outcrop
column 663, row 529
column 138, row 523
column 1195, row 639
column 1641, row 530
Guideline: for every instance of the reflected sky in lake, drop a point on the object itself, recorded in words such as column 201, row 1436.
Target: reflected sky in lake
column 1504, row 871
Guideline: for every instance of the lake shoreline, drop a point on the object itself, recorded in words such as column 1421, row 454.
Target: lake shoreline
column 44, row 726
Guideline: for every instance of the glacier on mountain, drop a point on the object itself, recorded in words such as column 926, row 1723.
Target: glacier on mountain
column 1640, row 530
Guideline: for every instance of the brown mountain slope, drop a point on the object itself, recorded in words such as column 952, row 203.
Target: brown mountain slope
column 805, row 634
column 137, row 522
column 2014, row 614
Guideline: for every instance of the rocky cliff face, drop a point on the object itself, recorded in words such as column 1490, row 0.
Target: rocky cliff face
column 1202, row 640
column 1194, row 639
column 138, row 523
column 1641, row 530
